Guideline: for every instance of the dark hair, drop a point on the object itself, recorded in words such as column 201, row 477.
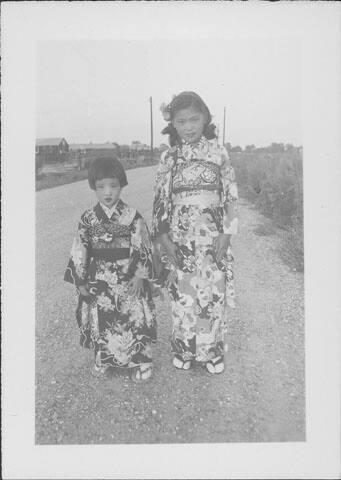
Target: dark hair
column 187, row 100
column 106, row 167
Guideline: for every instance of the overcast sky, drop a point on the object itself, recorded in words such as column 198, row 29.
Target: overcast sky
column 99, row 90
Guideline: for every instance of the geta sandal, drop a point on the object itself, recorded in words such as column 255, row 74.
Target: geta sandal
column 142, row 373
column 215, row 365
column 181, row 364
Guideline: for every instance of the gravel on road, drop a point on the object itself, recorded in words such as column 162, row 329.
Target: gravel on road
column 260, row 397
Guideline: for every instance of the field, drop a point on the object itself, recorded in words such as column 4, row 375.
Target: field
column 273, row 182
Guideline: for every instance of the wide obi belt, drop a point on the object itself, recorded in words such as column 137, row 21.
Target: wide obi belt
column 202, row 198
column 110, row 254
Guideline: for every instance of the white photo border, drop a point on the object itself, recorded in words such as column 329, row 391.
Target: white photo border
column 317, row 26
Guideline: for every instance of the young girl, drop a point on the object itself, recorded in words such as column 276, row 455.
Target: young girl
column 110, row 265
column 194, row 216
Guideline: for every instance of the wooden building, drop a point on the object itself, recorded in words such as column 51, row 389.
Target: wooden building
column 50, row 150
column 95, row 148
column 84, row 153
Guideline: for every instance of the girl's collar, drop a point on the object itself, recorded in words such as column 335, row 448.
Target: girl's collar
column 202, row 141
column 102, row 213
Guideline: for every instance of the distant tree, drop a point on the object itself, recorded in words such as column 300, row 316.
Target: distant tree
column 249, row 148
column 277, row 147
column 289, row 147
column 236, row 149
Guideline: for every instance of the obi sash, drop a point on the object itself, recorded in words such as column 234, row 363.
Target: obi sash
column 202, row 198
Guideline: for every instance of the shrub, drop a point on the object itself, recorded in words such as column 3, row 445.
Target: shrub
column 273, row 180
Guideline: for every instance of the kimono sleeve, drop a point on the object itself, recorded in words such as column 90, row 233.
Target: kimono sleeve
column 162, row 205
column 141, row 262
column 76, row 271
column 229, row 194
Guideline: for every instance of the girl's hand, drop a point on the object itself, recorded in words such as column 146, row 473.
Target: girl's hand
column 170, row 247
column 135, row 286
column 83, row 290
column 221, row 245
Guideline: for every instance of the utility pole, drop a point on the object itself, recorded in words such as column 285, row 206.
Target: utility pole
column 224, row 126
column 151, row 129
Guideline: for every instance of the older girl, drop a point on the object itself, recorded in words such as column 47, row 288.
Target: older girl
column 194, row 216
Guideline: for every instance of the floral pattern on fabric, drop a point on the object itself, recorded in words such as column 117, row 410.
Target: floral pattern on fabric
column 195, row 201
column 105, row 255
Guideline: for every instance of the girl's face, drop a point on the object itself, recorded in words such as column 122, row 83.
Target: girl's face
column 189, row 124
column 108, row 191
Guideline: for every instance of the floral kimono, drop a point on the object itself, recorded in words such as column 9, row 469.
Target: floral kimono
column 195, row 201
column 106, row 254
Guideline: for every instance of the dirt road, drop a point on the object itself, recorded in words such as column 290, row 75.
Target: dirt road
column 259, row 397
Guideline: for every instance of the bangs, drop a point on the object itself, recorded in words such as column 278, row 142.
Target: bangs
column 188, row 100
column 106, row 168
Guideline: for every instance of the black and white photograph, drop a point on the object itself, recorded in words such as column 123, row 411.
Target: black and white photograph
column 214, row 323
column 176, row 291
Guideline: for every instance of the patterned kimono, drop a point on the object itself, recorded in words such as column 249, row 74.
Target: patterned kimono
column 195, row 201
column 106, row 254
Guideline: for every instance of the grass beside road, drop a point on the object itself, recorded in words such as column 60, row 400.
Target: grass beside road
column 50, row 180
column 273, row 182
column 54, row 179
